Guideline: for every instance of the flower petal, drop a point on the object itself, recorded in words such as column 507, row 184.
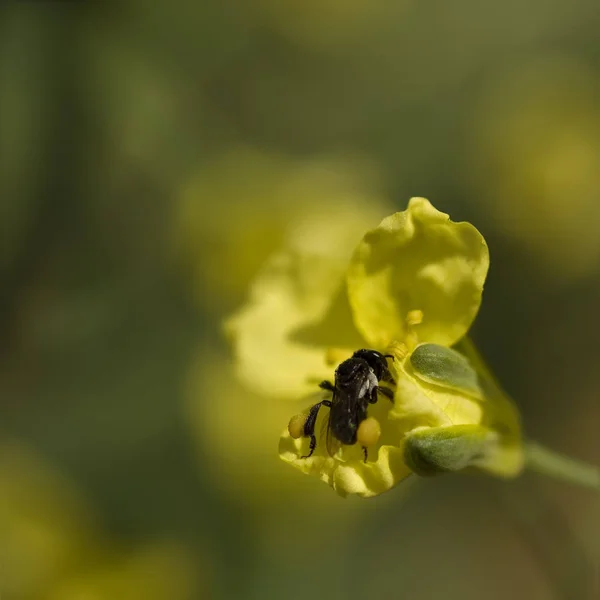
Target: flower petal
column 298, row 307
column 417, row 260
column 351, row 475
column 501, row 415
column 422, row 404
column 347, row 472
column 291, row 292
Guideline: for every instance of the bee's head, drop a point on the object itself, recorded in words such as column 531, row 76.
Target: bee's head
column 376, row 361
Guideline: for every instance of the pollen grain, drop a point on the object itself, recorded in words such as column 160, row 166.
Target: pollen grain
column 296, row 425
column 368, row 432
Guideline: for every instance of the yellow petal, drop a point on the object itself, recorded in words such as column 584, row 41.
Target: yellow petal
column 422, row 404
column 348, row 474
column 298, row 307
column 292, row 292
column 238, row 209
column 47, row 527
column 152, row 572
column 417, row 260
column 501, row 415
column 536, row 142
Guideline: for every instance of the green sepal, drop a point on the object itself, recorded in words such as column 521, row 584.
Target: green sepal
column 436, row 450
column 445, row 367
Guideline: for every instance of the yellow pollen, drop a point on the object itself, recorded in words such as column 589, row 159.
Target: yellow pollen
column 414, row 317
column 296, row 425
column 398, row 350
column 368, row 432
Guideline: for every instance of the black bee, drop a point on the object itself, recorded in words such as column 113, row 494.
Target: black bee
column 356, row 386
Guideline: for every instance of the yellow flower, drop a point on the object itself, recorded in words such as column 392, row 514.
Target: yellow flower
column 536, row 141
column 237, row 210
column 153, row 571
column 46, row 525
column 52, row 549
column 411, row 289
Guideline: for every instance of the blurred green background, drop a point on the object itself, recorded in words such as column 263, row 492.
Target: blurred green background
column 152, row 155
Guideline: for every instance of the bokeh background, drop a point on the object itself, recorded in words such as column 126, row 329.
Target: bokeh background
column 152, row 155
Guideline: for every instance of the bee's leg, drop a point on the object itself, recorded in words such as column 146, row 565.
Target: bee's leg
column 365, row 452
column 373, row 395
column 387, row 376
column 386, row 392
column 309, row 425
column 327, row 385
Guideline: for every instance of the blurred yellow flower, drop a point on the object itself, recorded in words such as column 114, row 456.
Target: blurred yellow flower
column 412, row 289
column 232, row 423
column 51, row 548
column 535, row 161
column 235, row 211
column 153, row 572
column 45, row 525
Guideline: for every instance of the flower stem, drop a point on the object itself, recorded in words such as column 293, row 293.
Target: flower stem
column 555, row 465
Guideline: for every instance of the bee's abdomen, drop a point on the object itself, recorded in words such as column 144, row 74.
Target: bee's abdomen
column 347, row 436
column 344, row 429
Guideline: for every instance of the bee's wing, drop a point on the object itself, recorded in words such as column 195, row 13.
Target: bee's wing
column 331, row 442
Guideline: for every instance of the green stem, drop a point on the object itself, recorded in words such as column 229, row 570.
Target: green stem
column 555, row 465
column 537, row 457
